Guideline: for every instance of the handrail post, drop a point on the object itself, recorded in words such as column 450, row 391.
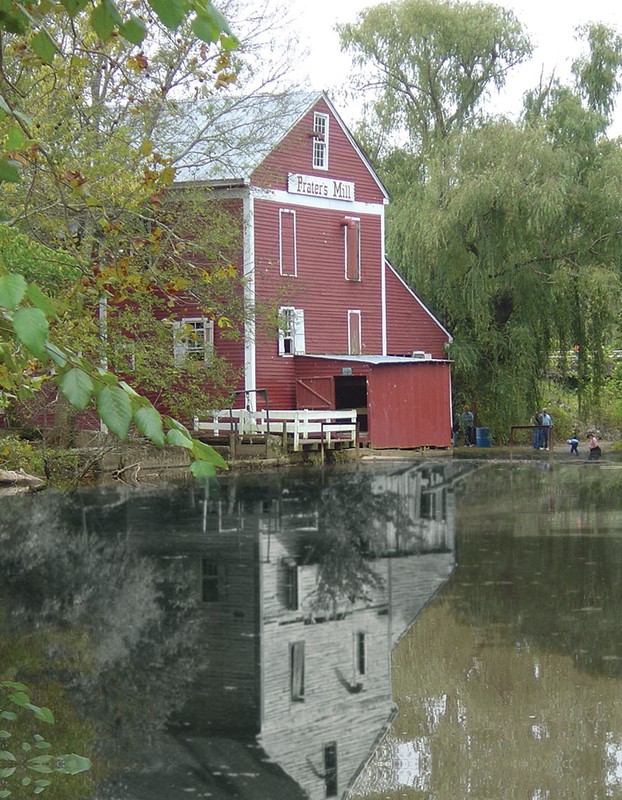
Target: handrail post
column 265, row 394
column 232, row 434
column 296, row 430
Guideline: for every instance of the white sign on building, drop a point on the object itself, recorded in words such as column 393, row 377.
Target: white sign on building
column 313, row 186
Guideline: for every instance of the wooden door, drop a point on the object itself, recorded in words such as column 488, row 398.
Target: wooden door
column 316, row 393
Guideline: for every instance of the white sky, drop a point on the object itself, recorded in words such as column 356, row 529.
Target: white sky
column 550, row 24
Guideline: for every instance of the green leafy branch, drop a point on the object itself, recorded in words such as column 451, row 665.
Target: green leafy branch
column 25, row 314
column 108, row 20
column 33, row 19
column 19, row 766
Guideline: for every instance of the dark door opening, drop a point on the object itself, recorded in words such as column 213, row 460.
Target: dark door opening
column 351, row 392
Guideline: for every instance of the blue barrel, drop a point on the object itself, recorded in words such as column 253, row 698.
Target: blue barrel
column 483, row 437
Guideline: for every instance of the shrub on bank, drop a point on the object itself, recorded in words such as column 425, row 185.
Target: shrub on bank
column 60, row 467
column 564, row 423
column 17, row 453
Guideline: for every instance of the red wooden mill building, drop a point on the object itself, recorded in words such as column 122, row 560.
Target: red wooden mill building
column 352, row 334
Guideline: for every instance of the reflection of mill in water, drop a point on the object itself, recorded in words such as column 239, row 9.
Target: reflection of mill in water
column 306, row 681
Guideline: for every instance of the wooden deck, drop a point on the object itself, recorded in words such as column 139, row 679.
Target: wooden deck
column 297, row 428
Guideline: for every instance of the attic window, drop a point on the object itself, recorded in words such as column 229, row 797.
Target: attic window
column 320, row 141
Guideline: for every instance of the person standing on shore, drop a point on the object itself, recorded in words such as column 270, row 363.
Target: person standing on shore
column 467, row 426
column 547, row 421
column 537, row 433
column 592, row 443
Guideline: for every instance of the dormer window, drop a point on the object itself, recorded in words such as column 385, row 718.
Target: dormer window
column 320, row 141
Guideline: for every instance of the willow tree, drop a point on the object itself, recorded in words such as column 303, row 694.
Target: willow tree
column 510, row 231
column 514, row 240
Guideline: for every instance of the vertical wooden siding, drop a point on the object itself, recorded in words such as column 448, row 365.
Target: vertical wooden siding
column 409, row 405
column 229, row 214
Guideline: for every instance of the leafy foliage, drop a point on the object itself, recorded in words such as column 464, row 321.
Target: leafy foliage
column 36, row 26
column 510, row 261
column 16, row 453
column 96, row 186
column 29, row 756
column 24, row 333
column 53, row 271
column 351, row 536
column 106, row 636
column 431, row 63
column 509, row 230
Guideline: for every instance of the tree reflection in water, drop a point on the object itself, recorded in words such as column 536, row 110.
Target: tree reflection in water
column 83, row 615
column 354, row 516
column 133, row 606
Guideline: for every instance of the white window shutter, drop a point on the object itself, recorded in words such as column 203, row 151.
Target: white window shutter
column 209, row 339
column 179, row 346
column 281, row 333
column 299, row 331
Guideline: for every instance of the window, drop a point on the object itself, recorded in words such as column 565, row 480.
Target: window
column 320, row 141
column 354, row 333
column 124, row 358
column 287, row 242
column 360, row 654
column 212, row 581
column 291, row 331
column 330, row 769
column 297, row 671
column 291, row 589
column 426, row 504
column 352, row 236
column 193, row 340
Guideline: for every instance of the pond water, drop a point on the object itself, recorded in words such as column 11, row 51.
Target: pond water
column 404, row 630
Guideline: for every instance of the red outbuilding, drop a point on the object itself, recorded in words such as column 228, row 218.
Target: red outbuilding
column 351, row 333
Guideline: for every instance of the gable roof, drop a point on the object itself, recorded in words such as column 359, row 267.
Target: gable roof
column 223, row 140
column 356, row 146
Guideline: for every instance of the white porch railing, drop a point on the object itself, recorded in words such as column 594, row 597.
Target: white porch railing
column 302, row 426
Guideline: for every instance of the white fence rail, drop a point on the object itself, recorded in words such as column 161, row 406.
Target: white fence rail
column 302, row 426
